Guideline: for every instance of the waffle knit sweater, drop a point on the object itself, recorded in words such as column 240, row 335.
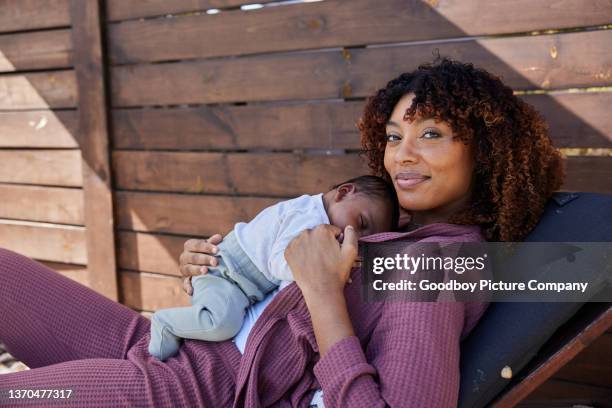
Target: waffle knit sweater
column 403, row 353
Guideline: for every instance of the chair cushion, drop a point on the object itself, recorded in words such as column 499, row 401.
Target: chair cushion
column 510, row 334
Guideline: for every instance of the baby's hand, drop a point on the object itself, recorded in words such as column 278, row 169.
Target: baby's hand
column 197, row 255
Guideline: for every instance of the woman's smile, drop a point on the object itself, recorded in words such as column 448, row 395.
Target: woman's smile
column 407, row 180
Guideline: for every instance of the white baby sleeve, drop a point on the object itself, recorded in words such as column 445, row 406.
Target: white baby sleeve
column 292, row 224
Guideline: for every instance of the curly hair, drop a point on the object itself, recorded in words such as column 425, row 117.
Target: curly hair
column 516, row 166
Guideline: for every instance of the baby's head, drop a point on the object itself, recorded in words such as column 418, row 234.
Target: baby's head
column 368, row 203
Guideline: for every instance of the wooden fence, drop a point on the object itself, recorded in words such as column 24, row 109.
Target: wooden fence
column 127, row 127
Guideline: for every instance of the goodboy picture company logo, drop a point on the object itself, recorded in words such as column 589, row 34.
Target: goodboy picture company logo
column 487, row 271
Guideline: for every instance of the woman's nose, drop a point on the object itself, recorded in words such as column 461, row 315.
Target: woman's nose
column 406, row 152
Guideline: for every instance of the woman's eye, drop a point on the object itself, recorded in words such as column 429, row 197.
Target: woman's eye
column 430, row 134
column 392, row 138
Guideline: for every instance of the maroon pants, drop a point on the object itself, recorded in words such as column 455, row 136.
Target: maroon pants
column 75, row 339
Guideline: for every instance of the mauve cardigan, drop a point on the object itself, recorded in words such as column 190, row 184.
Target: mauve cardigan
column 403, row 353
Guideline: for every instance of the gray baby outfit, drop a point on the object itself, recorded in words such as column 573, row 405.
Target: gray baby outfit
column 251, row 264
column 219, row 300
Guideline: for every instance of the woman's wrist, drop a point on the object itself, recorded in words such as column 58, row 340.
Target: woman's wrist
column 330, row 318
column 317, row 291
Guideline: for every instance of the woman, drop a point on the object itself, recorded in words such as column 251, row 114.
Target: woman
column 465, row 157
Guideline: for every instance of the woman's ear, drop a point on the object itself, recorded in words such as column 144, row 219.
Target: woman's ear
column 344, row 190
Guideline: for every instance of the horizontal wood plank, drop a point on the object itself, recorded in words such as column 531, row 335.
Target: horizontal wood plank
column 284, row 174
column 262, row 78
column 193, row 215
column 50, row 90
column 77, row 273
column 46, row 204
column 47, row 242
column 534, row 62
column 36, row 50
column 576, row 120
column 592, row 174
column 150, row 252
column 130, row 9
column 303, row 126
column 43, row 128
column 17, row 15
column 150, row 292
column 203, row 215
column 46, row 167
column 336, row 24
column 278, row 174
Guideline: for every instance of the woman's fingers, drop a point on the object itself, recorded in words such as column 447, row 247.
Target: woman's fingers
column 197, row 256
column 187, row 287
column 206, row 246
column 349, row 246
column 215, row 239
column 191, row 269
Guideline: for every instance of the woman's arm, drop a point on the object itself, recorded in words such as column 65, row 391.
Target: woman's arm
column 321, row 267
column 412, row 357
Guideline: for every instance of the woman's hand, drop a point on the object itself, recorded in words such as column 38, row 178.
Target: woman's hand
column 319, row 262
column 321, row 266
column 197, row 255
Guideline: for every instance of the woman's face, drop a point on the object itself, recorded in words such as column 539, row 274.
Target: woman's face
column 430, row 170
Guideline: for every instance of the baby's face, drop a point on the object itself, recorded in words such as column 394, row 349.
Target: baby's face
column 368, row 215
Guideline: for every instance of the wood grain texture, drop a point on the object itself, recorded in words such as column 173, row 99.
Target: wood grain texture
column 557, row 393
column 129, row 9
column 262, row 78
column 592, row 366
column 77, row 273
column 98, row 205
column 144, row 291
column 50, row 90
column 284, row 174
column 193, row 215
column 16, row 15
column 337, row 24
column 576, row 120
column 589, row 174
column 46, row 204
column 36, row 50
column 270, row 174
column 284, row 127
column 531, row 62
column 42, row 241
column 43, row 128
column 46, row 167
column 157, row 253
column 522, row 62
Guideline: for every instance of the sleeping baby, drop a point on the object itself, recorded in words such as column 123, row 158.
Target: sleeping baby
column 251, row 261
